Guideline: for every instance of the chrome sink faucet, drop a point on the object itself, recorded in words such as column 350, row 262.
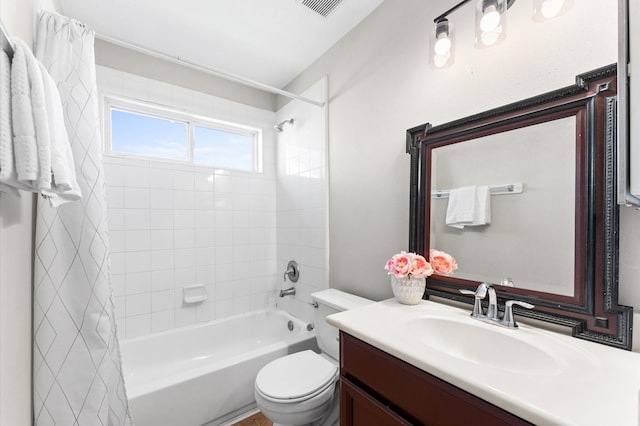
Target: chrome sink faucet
column 508, row 320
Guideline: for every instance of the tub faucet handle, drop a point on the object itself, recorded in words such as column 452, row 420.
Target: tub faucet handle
column 292, row 272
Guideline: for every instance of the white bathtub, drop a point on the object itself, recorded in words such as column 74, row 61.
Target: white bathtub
column 204, row 374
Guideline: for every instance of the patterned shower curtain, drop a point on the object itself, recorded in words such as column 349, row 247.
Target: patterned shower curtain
column 76, row 357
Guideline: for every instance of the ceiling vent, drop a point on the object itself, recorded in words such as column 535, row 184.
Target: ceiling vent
column 321, row 7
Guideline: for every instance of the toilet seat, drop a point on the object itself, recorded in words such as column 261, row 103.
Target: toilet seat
column 296, row 377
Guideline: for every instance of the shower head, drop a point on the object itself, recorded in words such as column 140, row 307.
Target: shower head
column 279, row 127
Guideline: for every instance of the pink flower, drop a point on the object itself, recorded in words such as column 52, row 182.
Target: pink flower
column 442, row 263
column 404, row 264
column 420, row 267
column 399, row 265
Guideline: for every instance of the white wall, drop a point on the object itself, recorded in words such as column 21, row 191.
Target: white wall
column 381, row 85
column 16, row 234
column 117, row 57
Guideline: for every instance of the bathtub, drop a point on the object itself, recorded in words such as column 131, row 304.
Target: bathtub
column 204, row 374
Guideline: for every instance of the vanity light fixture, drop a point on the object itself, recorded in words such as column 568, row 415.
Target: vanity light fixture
column 491, row 26
column 442, row 47
column 491, row 22
column 544, row 10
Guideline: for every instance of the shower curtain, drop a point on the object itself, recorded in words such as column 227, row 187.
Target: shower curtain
column 77, row 371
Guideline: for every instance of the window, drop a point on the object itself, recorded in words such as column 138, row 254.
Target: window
column 139, row 129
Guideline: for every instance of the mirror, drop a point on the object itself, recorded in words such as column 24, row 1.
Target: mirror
column 486, row 253
column 550, row 239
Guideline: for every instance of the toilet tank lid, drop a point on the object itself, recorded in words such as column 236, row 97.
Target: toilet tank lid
column 339, row 300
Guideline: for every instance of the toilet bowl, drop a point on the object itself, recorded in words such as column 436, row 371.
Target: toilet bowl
column 297, row 389
column 302, row 388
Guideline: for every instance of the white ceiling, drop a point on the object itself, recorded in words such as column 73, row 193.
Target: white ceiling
column 268, row 41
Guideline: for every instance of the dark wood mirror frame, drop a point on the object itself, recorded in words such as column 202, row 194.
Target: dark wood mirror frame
column 592, row 312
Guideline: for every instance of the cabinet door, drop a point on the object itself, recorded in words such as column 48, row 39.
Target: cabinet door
column 359, row 408
column 413, row 394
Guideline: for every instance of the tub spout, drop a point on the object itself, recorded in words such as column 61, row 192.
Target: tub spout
column 291, row 291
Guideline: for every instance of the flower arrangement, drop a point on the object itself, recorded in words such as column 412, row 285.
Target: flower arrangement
column 403, row 264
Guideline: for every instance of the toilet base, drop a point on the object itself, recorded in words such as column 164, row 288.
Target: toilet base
column 330, row 418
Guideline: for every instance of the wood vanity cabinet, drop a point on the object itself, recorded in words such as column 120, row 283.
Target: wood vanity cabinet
column 380, row 389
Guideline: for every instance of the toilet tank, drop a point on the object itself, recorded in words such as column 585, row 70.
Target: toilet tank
column 332, row 301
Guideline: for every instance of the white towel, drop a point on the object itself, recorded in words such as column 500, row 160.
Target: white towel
column 25, row 150
column 41, row 149
column 64, row 186
column 469, row 206
column 40, row 119
column 8, row 178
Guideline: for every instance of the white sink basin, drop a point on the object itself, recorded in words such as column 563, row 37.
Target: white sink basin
column 520, row 350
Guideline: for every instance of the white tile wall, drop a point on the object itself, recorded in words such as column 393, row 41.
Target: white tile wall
column 302, row 201
column 173, row 225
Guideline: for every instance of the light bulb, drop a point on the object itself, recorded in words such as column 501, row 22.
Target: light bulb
column 440, row 61
column 551, row 8
column 442, row 45
column 490, row 19
column 489, row 39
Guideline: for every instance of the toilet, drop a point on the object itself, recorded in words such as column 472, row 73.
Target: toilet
column 302, row 388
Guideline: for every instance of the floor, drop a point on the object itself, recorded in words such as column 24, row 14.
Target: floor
column 257, row 419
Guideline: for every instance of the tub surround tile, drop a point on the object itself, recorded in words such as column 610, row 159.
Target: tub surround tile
column 161, row 177
column 176, row 224
column 162, row 321
column 137, row 325
column 138, row 283
column 184, row 276
column 137, row 240
column 160, row 199
column 138, row 305
column 161, row 219
column 162, row 300
column 137, row 219
column 161, row 239
column 136, row 176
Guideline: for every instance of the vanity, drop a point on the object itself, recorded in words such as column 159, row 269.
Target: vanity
column 379, row 388
column 433, row 364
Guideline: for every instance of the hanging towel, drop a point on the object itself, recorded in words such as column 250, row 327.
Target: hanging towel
column 64, row 186
column 25, row 150
column 469, row 206
column 41, row 149
column 40, row 119
column 8, row 178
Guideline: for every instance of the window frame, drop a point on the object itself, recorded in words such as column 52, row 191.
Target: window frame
column 191, row 120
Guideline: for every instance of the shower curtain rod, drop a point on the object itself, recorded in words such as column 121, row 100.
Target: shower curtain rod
column 220, row 74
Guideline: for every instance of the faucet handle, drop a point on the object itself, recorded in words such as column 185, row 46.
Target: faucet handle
column 477, row 304
column 509, row 320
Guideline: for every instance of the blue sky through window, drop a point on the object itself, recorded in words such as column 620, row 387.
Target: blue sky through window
column 166, row 135
column 146, row 135
column 223, row 149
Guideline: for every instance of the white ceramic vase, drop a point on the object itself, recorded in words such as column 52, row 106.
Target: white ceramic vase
column 408, row 290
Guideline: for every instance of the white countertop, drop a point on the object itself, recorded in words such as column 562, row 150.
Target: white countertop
column 599, row 386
